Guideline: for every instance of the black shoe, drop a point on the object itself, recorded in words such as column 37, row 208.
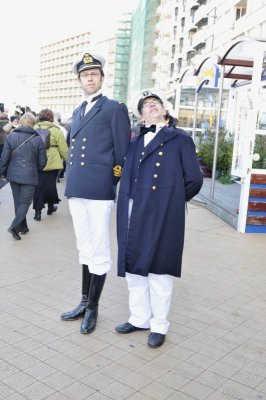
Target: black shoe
column 38, row 215
column 128, row 328
column 51, row 210
column 78, row 312
column 24, row 231
column 14, row 233
column 156, row 339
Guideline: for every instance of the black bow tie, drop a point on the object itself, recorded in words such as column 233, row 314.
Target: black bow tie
column 144, row 129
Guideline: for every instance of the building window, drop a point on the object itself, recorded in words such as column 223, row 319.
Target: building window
column 174, row 32
column 172, row 67
column 181, row 41
column 176, row 13
column 241, row 9
column 240, row 12
column 212, row 17
column 173, row 50
column 183, row 23
column 179, row 64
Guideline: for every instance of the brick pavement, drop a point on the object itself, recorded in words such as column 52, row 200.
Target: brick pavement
column 215, row 349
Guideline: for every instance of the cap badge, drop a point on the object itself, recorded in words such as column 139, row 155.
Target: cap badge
column 146, row 93
column 87, row 59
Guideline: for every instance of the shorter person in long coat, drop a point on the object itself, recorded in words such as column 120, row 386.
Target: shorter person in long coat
column 22, row 158
column 160, row 174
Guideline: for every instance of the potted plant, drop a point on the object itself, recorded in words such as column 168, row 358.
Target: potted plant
column 224, row 152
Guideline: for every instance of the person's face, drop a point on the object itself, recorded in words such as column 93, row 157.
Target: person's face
column 91, row 81
column 152, row 111
column 15, row 122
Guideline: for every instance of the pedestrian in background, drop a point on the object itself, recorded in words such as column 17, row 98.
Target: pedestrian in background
column 46, row 191
column 58, row 122
column 22, row 158
column 14, row 122
column 160, row 174
column 98, row 140
column 3, row 121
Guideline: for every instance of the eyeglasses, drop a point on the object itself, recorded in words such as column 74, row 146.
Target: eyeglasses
column 151, row 103
column 90, row 75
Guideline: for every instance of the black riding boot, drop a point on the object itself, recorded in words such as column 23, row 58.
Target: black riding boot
column 89, row 322
column 79, row 311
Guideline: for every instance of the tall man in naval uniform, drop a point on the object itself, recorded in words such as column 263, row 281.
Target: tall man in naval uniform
column 98, row 139
column 160, row 174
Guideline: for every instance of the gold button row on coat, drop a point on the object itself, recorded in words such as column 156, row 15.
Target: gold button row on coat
column 154, row 188
column 157, row 164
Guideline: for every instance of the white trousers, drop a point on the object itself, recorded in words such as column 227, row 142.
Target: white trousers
column 91, row 221
column 149, row 301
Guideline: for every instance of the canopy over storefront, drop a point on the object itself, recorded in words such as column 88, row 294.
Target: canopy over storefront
column 243, row 62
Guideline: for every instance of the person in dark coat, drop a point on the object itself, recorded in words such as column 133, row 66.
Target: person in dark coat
column 22, row 158
column 160, row 175
column 98, row 139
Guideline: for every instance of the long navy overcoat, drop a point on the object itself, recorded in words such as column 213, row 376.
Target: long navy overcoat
column 168, row 175
column 97, row 143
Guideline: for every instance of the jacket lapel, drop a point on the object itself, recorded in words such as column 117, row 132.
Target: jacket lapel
column 78, row 122
column 163, row 136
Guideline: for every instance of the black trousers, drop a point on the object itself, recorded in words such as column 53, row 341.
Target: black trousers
column 22, row 196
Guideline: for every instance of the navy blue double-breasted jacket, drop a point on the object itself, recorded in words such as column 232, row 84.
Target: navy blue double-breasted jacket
column 97, row 143
column 167, row 176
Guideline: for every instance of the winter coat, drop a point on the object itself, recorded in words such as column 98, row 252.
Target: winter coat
column 58, row 146
column 22, row 165
column 167, row 176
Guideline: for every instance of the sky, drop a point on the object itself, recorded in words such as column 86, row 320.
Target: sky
column 28, row 24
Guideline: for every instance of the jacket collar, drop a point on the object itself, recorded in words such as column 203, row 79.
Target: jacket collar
column 78, row 123
column 164, row 135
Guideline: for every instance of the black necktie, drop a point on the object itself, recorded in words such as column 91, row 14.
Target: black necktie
column 143, row 129
column 83, row 108
column 96, row 97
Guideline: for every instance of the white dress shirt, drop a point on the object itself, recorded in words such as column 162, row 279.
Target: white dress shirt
column 150, row 135
column 90, row 102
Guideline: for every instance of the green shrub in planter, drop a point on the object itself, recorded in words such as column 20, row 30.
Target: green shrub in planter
column 224, row 152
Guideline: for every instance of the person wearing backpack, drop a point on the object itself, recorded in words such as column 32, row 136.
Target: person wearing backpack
column 56, row 151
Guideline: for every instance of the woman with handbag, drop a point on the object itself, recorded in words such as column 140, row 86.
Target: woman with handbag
column 22, row 158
